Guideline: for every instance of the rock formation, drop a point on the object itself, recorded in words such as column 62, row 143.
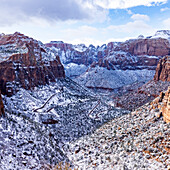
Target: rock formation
column 25, row 62
column 151, row 47
column 1, row 106
column 163, row 69
column 161, row 105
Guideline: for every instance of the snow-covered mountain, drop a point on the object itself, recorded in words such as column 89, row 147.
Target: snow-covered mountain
column 162, row 34
column 115, row 64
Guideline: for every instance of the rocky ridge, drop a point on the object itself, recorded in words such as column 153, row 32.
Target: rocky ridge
column 116, row 55
column 135, row 141
column 128, row 62
column 26, row 63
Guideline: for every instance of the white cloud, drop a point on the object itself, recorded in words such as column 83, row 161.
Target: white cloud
column 164, row 9
column 98, row 36
column 130, row 27
column 18, row 11
column 123, row 4
column 140, row 17
column 129, row 11
column 166, row 23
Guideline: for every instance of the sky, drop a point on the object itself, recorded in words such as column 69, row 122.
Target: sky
column 84, row 21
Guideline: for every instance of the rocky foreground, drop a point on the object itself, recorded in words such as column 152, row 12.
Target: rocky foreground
column 138, row 140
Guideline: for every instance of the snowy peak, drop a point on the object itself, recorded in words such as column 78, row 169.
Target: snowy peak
column 80, row 47
column 162, row 34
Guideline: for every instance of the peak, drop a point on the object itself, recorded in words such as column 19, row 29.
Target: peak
column 16, row 38
column 167, row 32
column 56, row 42
column 140, row 37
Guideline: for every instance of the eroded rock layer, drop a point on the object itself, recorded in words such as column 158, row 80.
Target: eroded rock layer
column 163, row 69
column 161, row 105
column 25, row 62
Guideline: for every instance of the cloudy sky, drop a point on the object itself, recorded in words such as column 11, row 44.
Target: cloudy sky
column 84, row 21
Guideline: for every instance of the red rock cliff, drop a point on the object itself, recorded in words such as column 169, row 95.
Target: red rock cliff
column 162, row 103
column 25, row 62
column 163, row 69
column 151, row 47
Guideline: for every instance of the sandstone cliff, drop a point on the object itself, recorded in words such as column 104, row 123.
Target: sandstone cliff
column 161, row 105
column 163, row 70
column 151, row 47
column 25, row 62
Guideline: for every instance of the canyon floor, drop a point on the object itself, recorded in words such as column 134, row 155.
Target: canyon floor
column 80, row 136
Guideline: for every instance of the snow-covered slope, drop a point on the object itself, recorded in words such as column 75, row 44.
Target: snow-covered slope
column 103, row 78
column 41, row 121
column 162, row 34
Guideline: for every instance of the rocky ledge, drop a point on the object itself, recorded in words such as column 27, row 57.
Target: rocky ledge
column 161, row 105
column 26, row 63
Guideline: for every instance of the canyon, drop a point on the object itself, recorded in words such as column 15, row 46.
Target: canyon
column 85, row 107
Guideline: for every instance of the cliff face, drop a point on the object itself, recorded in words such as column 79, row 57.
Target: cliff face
column 25, row 62
column 131, row 54
column 163, row 70
column 161, row 105
column 1, row 106
column 151, row 47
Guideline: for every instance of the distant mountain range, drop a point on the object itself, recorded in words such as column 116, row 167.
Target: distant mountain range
column 115, row 64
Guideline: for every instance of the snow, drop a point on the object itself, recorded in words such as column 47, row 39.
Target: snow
column 100, row 77
column 162, row 34
column 72, row 69
column 24, row 131
column 80, row 48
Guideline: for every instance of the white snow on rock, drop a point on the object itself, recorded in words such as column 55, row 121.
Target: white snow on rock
column 100, row 77
column 80, row 47
column 162, row 34
column 72, row 69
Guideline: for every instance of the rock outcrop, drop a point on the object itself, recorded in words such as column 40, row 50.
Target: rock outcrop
column 2, row 112
column 163, row 69
column 161, row 105
column 25, row 62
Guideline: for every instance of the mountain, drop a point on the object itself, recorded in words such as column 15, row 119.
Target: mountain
column 26, row 63
column 116, row 64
